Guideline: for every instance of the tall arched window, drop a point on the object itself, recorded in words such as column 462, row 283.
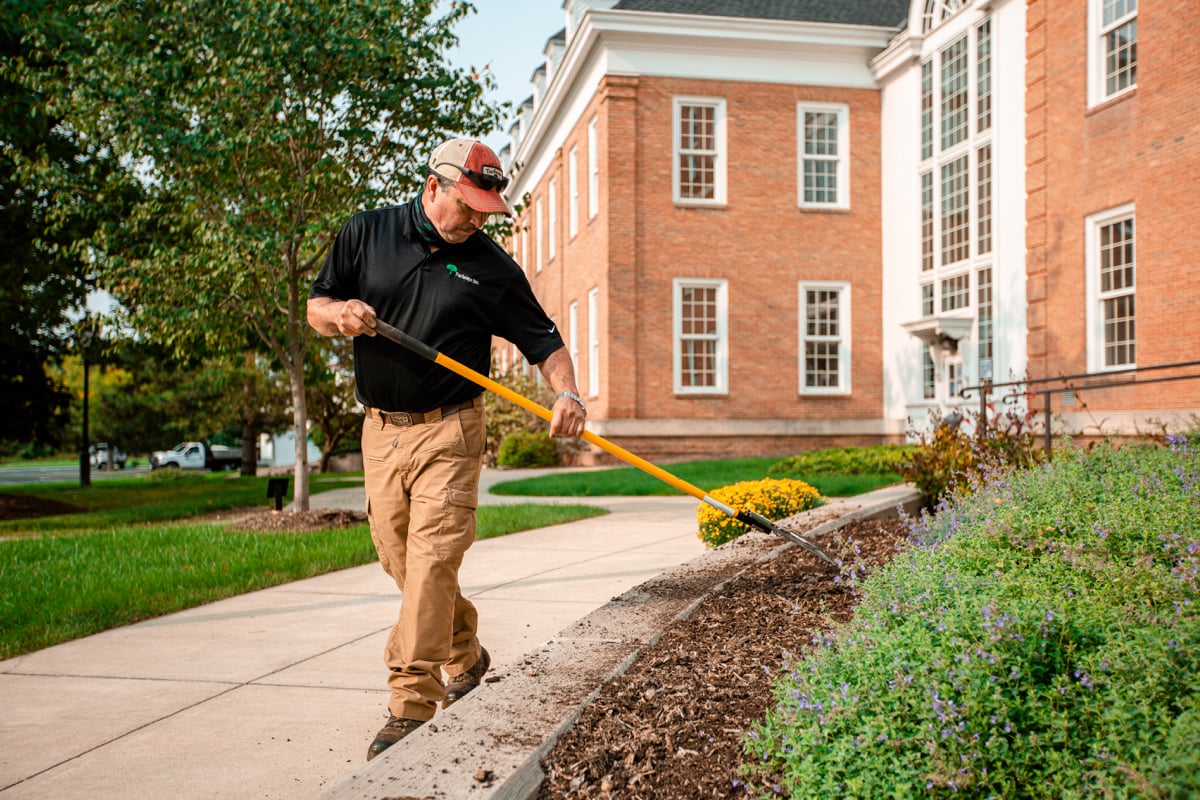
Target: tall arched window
column 938, row 11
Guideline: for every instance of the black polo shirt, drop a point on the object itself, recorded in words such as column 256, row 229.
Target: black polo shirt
column 453, row 300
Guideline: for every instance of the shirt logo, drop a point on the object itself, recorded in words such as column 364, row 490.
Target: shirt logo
column 452, row 269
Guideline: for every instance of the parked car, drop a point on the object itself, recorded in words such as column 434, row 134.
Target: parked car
column 100, row 456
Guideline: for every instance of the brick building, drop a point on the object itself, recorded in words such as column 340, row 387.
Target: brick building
column 770, row 226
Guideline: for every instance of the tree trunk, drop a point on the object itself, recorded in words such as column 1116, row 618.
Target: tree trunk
column 250, row 426
column 296, row 342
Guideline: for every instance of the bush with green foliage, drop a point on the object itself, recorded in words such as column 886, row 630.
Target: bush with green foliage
column 525, row 449
column 875, row 460
column 946, row 456
column 505, row 417
column 771, row 497
column 1039, row 639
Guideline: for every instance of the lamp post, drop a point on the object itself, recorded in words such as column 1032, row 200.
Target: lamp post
column 86, row 337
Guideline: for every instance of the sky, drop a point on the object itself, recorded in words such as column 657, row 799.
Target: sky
column 508, row 36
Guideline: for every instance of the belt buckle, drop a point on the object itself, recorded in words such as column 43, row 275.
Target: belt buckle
column 400, row 418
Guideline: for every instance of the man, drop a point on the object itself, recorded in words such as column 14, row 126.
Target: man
column 426, row 268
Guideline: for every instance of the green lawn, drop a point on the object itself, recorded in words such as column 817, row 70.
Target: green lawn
column 708, row 475
column 126, row 556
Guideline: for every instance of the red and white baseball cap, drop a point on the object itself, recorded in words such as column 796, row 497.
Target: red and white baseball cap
column 476, row 171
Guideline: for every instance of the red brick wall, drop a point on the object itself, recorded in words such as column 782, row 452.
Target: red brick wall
column 760, row 241
column 1141, row 147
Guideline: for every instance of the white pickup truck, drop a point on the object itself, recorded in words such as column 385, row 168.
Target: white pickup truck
column 197, row 455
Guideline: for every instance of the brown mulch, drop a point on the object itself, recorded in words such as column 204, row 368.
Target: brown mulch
column 317, row 519
column 671, row 727
column 23, row 506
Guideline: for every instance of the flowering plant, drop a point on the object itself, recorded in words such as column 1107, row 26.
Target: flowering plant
column 774, row 498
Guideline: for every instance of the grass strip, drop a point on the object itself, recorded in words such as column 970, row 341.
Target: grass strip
column 58, row 588
column 708, row 475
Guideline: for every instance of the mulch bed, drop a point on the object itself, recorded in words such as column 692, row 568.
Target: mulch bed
column 671, row 727
column 23, row 506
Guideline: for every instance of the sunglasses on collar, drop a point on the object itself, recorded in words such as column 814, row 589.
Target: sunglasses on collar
column 483, row 180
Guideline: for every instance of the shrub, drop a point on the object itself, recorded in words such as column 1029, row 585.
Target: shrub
column 505, row 418
column 877, row 460
column 1038, row 640
column 524, row 449
column 947, row 457
column 773, row 498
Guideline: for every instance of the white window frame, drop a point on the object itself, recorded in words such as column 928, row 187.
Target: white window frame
column 538, row 231
column 551, row 233
column 842, row 159
column 593, row 156
column 593, row 312
column 573, row 333
column 1095, row 297
column 720, row 337
column 843, row 337
column 572, row 192
column 719, row 152
column 1097, row 66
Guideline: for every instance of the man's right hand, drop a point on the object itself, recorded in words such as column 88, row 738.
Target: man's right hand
column 346, row 317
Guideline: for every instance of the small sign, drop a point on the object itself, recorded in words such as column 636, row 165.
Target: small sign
column 277, row 490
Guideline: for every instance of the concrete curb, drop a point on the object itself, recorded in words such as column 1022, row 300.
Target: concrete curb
column 489, row 745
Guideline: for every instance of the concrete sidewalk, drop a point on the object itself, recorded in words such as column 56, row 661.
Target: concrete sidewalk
column 276, row 694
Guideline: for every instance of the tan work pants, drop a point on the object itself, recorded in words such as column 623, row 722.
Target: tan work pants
column 422, row 486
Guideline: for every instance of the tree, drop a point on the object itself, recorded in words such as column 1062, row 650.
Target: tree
column 258, row 127
column 48, row 180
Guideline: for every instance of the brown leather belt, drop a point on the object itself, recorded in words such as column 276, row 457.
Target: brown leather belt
column 403, row 419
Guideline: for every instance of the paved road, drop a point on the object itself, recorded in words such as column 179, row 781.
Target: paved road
column 15, row 474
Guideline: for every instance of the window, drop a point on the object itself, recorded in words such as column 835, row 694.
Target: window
column 927, row 110
column 593, row 386
column 938, row 11
column 983, row 200
column 926, row 221
column 955, row 108
column 572, row 193
column 552, row 230
column 956, row 222
column 701, row 318
column 593, row 158
column 525, row 249
column 1111, row 287
column 956, row 292
column 928, row 374
column 983, row 76
column 986, row 339
column 537, row 233
column 573, row 332
column 1112, row 67
column 926, row 300
column 699, row 150
column 824, row 155
column 825, row 338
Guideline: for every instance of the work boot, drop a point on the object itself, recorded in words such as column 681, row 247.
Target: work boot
column 395, row 730
column 460, row 685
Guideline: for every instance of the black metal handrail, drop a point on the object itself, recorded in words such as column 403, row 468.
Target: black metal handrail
column 1063, row 382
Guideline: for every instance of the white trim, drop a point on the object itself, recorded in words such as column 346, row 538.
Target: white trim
column 843, row 338
column 1095, row 319
column 593, row 155
column 538, row 231
column 1097, row 76
column 573, row 333
column 552, row 231
column 842, row 158
column 720, row 151
column 593, row 387
column 720, row 337
column 573, row 192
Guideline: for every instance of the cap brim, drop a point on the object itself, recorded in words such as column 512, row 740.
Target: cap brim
column 483, row 200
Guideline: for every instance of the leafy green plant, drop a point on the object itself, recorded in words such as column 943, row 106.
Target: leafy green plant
column 876, row 460
column 774, row 498
column 1038, row 640
column 504, row 417
column 525, row 449
column 947, row 457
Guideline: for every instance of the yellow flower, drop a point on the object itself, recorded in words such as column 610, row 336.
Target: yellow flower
column 773, row 498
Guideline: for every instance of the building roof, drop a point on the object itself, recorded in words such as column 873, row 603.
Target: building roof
column 886, row 13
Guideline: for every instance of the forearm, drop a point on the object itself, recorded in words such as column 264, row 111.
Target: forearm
column 331, row 317
column 569, row 414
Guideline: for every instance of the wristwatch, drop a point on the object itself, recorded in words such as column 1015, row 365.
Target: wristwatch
column 574, row 397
